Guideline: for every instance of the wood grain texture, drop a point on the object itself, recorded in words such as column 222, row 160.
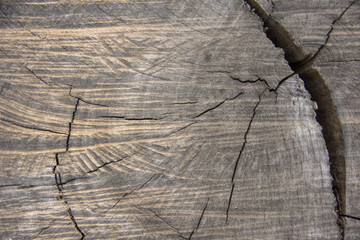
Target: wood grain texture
column 159, row 120
column 336, row 54
column 339, row 62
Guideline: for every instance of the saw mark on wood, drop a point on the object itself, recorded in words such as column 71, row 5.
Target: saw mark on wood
column 326, row 115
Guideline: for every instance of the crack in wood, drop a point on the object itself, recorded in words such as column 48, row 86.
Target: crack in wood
column 131, row 118
column 163, row 220
column 96, row 169
column 37, row 76
column 129, row 193
column 352, row 217
column 30, row 127
column 70, row 124
column 43, row 229
column 332, row 27
column 201, row 217
column 240, row 153
column 326, row 115
column 57, row 177
column 218, row 105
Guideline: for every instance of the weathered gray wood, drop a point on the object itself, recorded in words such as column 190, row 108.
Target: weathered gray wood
column 159, row 120
column 329, row 30
column 339, row 62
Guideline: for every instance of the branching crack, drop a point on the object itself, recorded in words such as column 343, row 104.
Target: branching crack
column 332, row 27
column 259, row 80
column 251, row 81
column 83, row 100
column 91, row 103
column 218, row 105
column 326, row 115
column 240, row 153
column 201, row 217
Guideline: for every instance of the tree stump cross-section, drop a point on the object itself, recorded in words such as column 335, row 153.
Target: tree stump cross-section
column 179, row 119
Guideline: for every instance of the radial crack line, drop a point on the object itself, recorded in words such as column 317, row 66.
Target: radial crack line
column 218, row 105
column 96, row 169
column 57, row 177
column 201, row 217
column 70, row 124
column 240, row 153
column 332, row 27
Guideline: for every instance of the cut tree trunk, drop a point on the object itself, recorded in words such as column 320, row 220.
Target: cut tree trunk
column 179, row 119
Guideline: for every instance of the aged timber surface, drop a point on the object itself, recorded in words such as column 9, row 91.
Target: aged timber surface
column 172, row 120
column 331, row 33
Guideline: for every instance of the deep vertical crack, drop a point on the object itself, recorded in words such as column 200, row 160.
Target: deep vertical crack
column 57, row 175
column 74, row 222
column 326, row 115
column 240, row 153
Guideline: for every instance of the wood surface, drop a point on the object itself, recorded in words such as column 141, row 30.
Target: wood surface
column 174, row 120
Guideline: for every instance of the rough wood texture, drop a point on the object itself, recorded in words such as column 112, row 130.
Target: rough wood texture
column 331, row 36
column 169, row 120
